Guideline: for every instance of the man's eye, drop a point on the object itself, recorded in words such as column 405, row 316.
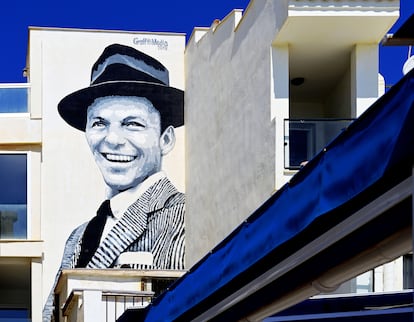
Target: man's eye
column 134, row 124
column 98, row 123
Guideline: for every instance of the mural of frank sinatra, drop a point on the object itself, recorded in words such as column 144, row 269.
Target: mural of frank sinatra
column 128, row 114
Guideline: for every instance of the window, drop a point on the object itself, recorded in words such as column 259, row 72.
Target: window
column 15, row 289
column 14, row 315
column 408, row 271
column 306, row 137
column 13, row 196
column 14, row 98
column 302, row 143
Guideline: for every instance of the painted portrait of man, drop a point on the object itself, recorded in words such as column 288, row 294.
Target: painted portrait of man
column 128, row 115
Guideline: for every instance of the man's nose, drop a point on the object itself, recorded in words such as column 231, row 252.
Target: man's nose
column 115, row 136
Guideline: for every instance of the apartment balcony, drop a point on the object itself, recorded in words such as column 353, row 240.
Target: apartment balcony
column 20, row 142
column 304, row 138
column 89, row 295
column 19, row 122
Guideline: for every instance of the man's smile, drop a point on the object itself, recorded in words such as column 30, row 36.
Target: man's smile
column 118, row 157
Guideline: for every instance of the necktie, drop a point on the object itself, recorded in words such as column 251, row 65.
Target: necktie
column 92, row 235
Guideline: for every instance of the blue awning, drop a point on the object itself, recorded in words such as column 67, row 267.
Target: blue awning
column 374, row 154
column 375, row 307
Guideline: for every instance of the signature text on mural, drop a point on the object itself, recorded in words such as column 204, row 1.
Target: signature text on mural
column 160, row 43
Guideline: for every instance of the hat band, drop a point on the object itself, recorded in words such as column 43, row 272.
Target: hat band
column 120, row 72
column 161, row 74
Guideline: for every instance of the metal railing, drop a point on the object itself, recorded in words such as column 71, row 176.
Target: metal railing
column 13, row 196
column 13, row 221
column 117, row 303
column 304, row 138
column 14, row 98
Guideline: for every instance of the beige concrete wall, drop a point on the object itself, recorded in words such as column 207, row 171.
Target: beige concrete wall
column 364, row 77
column 230, row 131
column 60, row 62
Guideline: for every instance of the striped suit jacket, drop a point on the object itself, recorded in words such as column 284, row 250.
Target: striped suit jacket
column 153, row 223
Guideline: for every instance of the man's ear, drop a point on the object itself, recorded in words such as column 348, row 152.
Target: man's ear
column 167, row 140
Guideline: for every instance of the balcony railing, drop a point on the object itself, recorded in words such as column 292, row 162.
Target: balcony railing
column 14, row 98
column 13, row 196
column 110, row 292
column 13, row 221
column 116, row 303
column 304, row 138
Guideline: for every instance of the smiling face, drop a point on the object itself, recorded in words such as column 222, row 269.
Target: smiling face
column 123, row 134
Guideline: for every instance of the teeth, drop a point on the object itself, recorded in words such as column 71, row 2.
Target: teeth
column 118, row 158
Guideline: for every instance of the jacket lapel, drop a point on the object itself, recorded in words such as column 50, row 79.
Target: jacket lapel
column 132, row 224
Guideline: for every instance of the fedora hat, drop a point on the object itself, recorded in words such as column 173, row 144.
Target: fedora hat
column 125, row 71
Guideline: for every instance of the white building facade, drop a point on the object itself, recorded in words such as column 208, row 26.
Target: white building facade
column 59, row 183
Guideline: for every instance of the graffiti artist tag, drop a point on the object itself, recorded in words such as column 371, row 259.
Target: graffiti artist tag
column 161, row 44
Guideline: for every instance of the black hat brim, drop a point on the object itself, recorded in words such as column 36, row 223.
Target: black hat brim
column 169, row 101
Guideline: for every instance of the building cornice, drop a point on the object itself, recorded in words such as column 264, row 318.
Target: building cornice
column 344, row 5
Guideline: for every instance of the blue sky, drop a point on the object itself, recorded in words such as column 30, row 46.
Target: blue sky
column 392, row 58
column 154, row 15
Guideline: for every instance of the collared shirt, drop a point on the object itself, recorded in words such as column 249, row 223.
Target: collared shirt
column 120, row 202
